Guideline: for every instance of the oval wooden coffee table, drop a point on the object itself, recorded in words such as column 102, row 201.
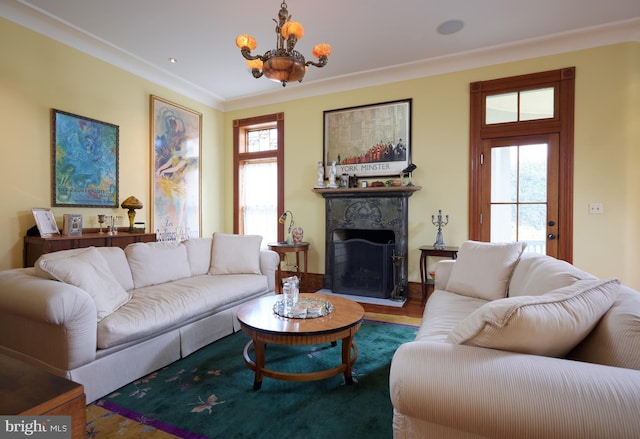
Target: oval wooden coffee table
column 259, row 321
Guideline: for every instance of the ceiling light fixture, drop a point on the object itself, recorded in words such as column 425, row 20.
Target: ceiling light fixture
column 282, row 64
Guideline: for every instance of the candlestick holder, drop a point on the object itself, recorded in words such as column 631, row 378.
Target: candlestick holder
column 439, row 223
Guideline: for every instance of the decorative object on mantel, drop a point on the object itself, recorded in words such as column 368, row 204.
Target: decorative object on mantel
column 439, row 223
column 294, row 234
column 282, row 64
column 320, row 182
column 332, row 176
column 409, row 171
column 131, row 203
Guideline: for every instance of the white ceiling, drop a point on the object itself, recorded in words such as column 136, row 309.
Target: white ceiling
column 369, row 39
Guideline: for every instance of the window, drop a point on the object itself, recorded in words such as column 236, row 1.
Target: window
column 258, row 176
column 520, row 106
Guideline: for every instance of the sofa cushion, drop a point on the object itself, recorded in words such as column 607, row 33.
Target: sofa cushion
column 537, row 274
column 235, row 254
column 89, row 271
column 155, row 263
column 115, row 257
column 615, row 341
column 551, row 324
column 199, row 254
column 159, row 308
column 483, row 269
column 443, row 312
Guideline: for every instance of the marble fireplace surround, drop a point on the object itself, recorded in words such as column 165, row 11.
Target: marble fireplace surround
column 367, row 209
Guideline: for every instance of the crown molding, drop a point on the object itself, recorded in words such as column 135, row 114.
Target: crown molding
column 614, row 33
column 39, row 21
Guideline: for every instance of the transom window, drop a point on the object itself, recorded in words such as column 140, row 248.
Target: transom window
column 520, row 106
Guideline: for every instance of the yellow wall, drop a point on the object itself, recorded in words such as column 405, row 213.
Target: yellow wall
column 606, row 143
column 37, row 74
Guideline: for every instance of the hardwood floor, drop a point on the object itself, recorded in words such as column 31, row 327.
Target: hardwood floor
column 410, row 313
column 410, row 309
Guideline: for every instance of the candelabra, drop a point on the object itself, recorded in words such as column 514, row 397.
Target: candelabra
column 439, row 223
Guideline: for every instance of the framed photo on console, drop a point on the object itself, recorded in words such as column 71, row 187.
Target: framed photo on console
column 369, row 140
column 72, row 224
column 46, row 222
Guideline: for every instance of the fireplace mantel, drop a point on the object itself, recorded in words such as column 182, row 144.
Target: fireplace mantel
column 400, row 191
column 371, row 208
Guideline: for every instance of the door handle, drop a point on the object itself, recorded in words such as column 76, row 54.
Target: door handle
column 551, row 236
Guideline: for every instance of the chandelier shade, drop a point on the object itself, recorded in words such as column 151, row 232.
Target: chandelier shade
column 282, row 64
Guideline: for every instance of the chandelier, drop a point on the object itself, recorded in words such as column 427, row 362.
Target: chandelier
column 282, row 64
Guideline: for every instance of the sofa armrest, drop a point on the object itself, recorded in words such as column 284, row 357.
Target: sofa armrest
column 492, row 393
column 269, row 261
column 46, row 322
column 443, row 271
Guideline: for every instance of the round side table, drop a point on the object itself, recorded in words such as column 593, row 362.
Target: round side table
column 282, row 248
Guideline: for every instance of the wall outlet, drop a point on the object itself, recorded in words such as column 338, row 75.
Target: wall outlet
column 595, row 208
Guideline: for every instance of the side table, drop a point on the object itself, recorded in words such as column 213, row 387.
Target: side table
column 282, row 248
column 425, row 252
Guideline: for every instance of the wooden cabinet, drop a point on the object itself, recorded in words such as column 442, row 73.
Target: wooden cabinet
column 34, row 246
column 29, row 391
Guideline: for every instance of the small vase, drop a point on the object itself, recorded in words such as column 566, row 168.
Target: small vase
column 297, row 234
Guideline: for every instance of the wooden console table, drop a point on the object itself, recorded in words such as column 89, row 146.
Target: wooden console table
column 425, row 252
column 29, row 391
column 34, row 246
column 282, row 248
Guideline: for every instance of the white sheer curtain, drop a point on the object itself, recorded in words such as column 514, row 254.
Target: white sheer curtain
column 260, row 200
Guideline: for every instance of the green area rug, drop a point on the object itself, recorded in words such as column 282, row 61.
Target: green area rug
column 210, row 393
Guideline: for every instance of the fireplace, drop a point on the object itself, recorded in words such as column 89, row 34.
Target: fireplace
column 363, row 266
column 373, row 221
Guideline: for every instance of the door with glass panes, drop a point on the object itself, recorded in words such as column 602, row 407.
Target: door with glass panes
column 520, row 191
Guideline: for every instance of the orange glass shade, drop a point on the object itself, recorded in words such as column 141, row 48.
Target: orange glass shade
column 283, row 68
column 255, row 64
column 292, row 28
column 321, row 49
column 245, row 40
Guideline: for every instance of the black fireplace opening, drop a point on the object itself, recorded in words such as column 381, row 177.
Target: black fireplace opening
column 363, row 262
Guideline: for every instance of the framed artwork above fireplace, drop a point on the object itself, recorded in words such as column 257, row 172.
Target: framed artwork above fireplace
column 368, row 140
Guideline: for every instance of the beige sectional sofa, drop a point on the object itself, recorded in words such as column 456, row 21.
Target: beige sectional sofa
column 520, row 345
column 104, row 317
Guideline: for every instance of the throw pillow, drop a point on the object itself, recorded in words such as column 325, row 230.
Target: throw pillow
column 235, row 254
column 154, row 263
column 483, row 269
column 551, row 324
column 89, row 271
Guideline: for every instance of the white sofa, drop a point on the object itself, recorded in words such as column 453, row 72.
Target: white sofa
column 104, row 317
column 520, row 346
